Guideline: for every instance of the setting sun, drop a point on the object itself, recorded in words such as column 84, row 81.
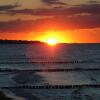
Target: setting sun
column 52, row 41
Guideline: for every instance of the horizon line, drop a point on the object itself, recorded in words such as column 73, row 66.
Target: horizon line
column 46, row 43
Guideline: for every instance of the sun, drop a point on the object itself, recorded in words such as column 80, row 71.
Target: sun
column 53, row 37
column 52, row 41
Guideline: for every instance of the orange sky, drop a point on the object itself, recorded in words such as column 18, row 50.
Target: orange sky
column 76, row 36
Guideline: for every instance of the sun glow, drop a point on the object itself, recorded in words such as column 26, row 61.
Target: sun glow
column 52, row 42
column 53, row 37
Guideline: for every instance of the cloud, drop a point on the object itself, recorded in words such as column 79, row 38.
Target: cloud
column 8, row 7
column 61, row 23
column 16, row 26
column 82, row 16
column 93, row 2
column 53, row 2
column 93, row 9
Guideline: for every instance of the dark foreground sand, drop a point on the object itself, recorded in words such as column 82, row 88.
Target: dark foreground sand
column 4, row 97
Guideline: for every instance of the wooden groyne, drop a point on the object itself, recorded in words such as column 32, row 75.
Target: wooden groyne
column 53, row 86
column 47, row 62
column 49, row 70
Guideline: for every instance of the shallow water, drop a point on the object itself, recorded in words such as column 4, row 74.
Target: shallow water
column 43, row 57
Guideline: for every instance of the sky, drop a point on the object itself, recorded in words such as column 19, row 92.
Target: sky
column 68, row 21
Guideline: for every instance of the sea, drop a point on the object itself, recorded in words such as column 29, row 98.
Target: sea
column 43, row 72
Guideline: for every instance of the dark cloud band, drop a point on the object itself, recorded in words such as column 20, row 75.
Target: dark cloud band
column 8, row 7
column 53, row 2
column 93, row 9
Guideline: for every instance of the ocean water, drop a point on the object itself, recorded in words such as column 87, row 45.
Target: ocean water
column 63, row 65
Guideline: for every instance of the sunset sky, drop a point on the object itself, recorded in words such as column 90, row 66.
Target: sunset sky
column 69, row 21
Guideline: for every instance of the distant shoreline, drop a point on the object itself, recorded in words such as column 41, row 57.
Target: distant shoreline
column 19, row 42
